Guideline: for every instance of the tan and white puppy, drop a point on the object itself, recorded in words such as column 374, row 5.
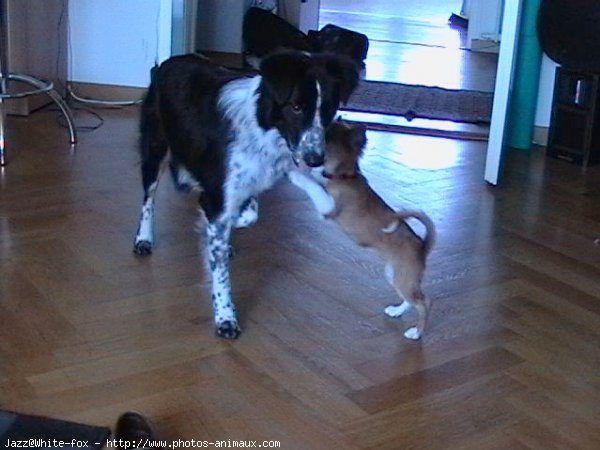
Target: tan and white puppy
column 370, row 222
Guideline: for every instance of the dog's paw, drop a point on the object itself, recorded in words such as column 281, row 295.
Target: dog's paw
column 183, row 187
column 396, row 310
column 412, row 333
column 142, row 248
column 248, row 214
column 228, row 329
column 326, row 206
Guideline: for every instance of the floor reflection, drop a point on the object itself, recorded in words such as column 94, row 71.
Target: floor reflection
column 415, row 152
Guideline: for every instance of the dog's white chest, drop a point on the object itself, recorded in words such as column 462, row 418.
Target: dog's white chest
column 255, row 168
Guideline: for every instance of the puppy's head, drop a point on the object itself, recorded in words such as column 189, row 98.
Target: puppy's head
column 345, row 143
column 299, row 96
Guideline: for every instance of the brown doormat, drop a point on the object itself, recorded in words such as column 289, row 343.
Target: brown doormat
column 426, row 102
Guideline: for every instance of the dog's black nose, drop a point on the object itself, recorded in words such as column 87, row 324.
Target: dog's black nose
column 313, row 159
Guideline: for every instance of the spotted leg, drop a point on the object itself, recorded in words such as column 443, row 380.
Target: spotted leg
column 225, row 317
column 248, row 214
column 144, row 238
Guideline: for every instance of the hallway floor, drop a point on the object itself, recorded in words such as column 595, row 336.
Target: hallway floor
column 412, row 42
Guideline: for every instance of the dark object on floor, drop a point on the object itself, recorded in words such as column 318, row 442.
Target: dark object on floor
column 133, row 428
column 332, row 38
column 569, row 32
column 458, row 21
column 264, row 32
column 20, row 427
column 426, row 102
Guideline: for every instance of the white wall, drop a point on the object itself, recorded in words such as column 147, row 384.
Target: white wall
column 304, row 16
column 485, row 19
column 546, row 89
column 116, row 41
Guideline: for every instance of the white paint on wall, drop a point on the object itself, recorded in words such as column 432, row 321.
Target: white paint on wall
column 116, row 42
column 303, row 15
column 485, row 20
column 545, row 92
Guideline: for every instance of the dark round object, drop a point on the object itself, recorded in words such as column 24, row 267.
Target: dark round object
column 569, row 33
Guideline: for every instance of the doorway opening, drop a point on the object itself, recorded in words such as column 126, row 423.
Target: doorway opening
column 413, row 42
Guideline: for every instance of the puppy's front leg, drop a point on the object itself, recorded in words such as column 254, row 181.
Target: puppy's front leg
column 225, row 317
column 317, row 193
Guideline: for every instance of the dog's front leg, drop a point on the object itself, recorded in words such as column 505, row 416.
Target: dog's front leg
column 317, row 193
column 225, row 317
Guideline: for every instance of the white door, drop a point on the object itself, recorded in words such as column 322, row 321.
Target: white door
column 502, row 90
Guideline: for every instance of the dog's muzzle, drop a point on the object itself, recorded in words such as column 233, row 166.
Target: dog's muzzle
column 312, row 147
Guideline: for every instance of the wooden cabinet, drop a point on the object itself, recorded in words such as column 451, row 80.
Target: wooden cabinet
column 36, row 46
column 574, row 133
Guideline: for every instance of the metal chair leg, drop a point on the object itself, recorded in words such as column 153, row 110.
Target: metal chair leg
column 41, row 87
column 45, row 87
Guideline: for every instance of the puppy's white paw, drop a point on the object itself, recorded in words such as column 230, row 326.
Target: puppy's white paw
column 396, row 310
column 412, row 333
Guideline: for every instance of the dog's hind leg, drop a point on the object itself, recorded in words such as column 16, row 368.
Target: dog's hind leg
column 394, row 310
column 225, row 316
column 397, row 310
column 153, row 151
column 407, row 282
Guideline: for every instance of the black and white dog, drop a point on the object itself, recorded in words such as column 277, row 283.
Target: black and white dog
column 232, row 136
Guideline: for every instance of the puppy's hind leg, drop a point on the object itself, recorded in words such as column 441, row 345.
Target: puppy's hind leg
column 394, row 310
column 407, row 281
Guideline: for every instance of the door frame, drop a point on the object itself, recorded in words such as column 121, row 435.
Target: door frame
column 502, row 90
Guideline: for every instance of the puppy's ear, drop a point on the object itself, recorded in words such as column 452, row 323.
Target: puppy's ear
column 343, row 71
column 357, row 136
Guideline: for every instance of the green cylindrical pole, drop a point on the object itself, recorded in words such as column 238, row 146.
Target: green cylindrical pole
column 526, row 79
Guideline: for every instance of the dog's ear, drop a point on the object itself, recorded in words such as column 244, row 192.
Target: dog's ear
column 280, row 73
column 357, row 135
column 342, row 70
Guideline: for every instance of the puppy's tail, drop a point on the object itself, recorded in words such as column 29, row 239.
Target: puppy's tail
column 430, row 233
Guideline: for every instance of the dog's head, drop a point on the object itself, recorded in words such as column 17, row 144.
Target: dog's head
column 299, row 95
column 345, row 143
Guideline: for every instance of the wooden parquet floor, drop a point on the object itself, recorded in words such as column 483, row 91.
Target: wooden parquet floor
column 510, row 361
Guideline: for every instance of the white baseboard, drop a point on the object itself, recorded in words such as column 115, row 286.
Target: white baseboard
column 107, row 92
column 540, row 136
column 485, row 46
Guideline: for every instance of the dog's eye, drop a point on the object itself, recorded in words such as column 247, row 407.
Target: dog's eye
column 296, row 108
